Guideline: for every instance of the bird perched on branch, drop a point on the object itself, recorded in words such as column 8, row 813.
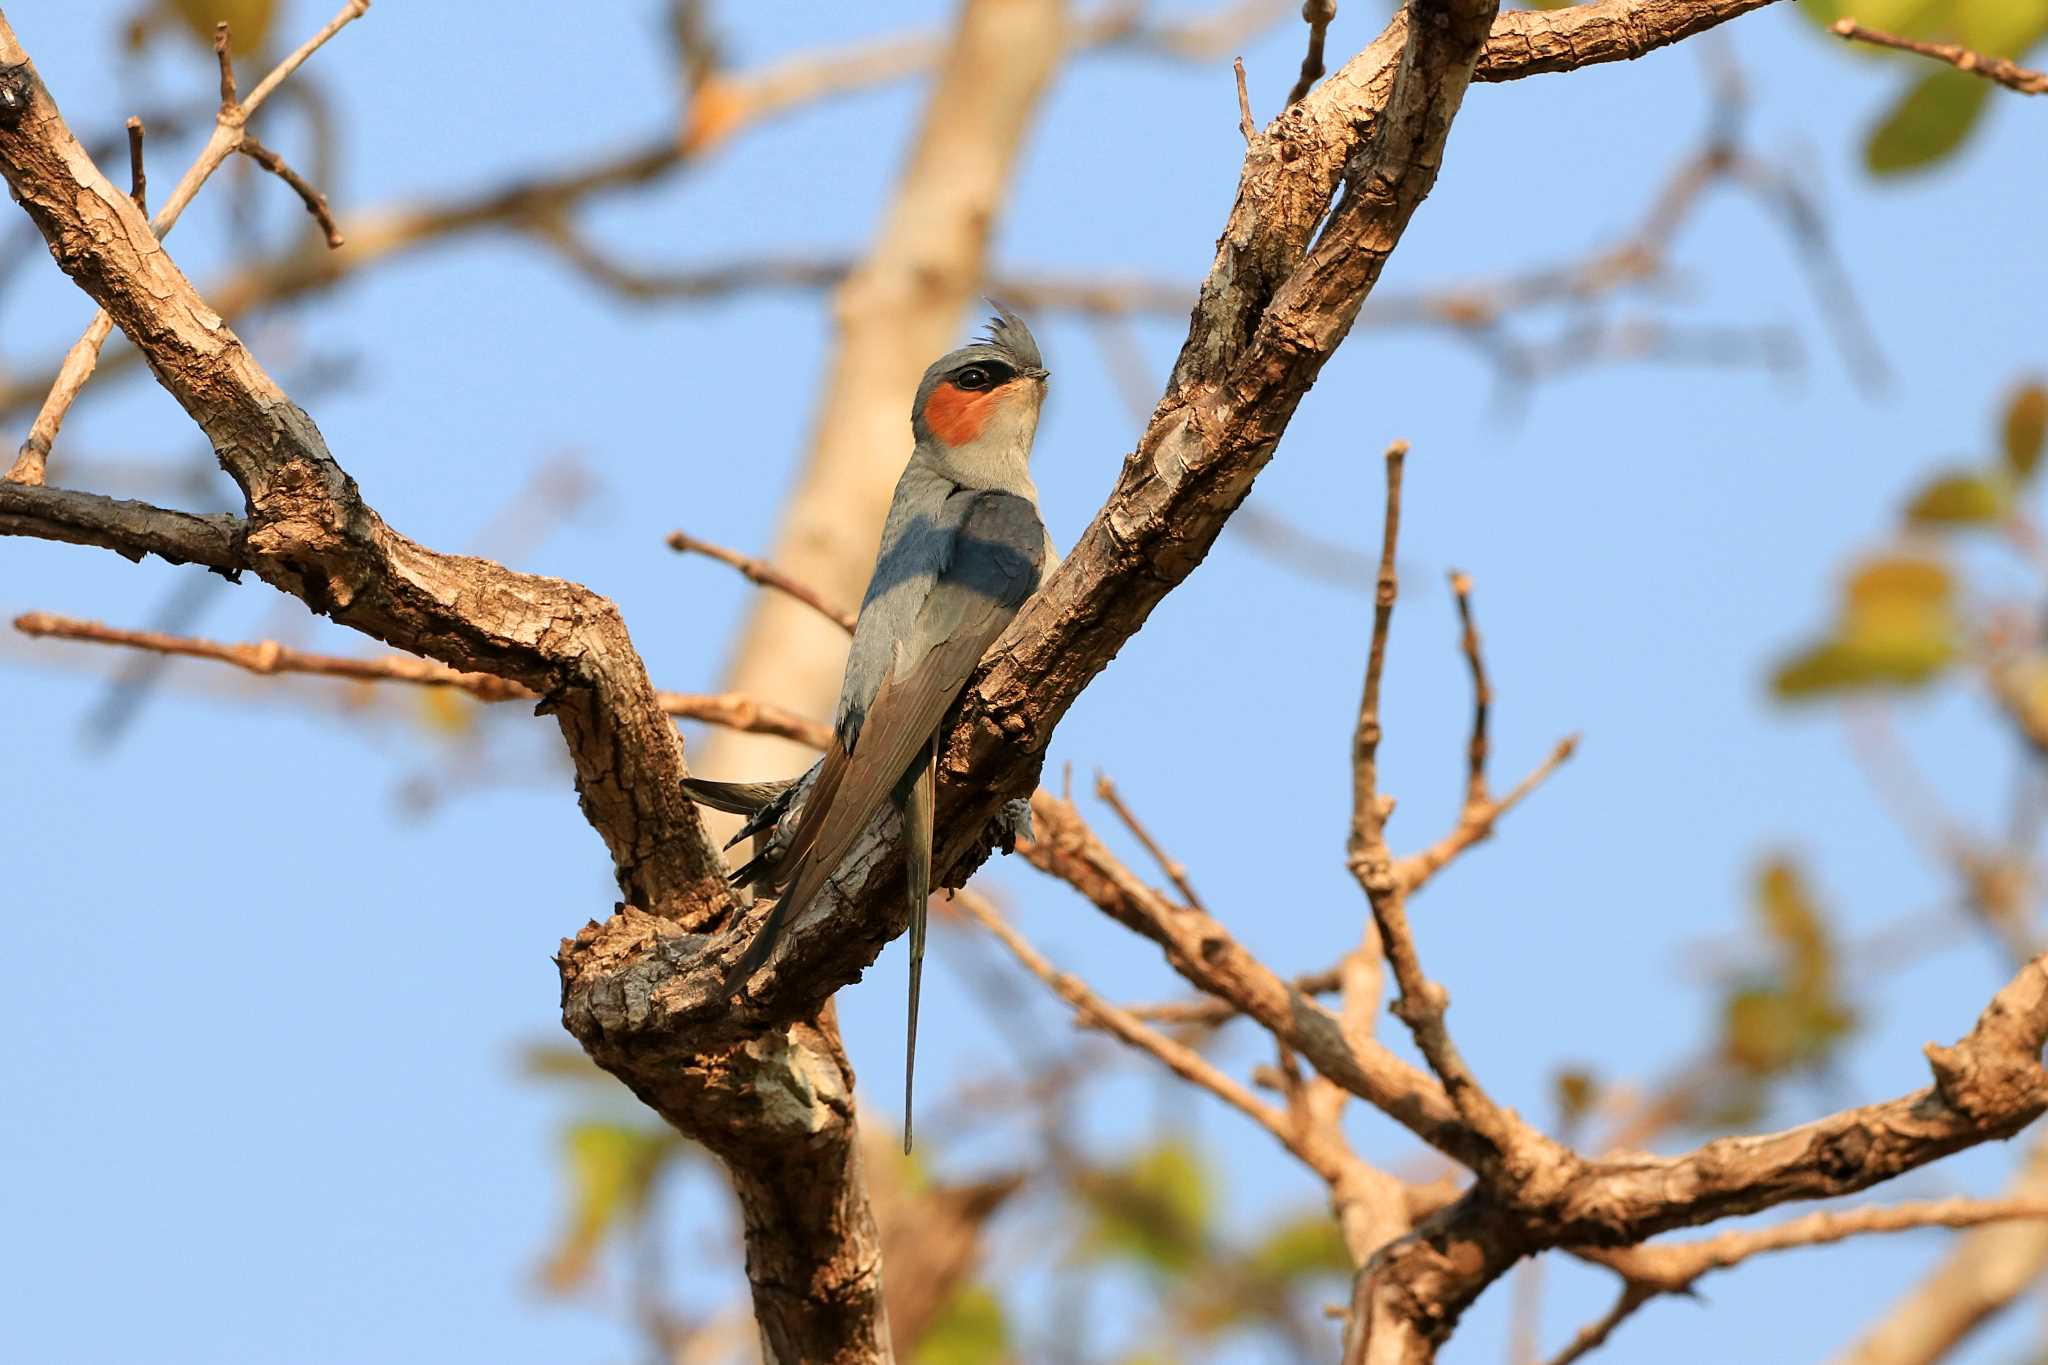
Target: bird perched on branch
column 962, row 548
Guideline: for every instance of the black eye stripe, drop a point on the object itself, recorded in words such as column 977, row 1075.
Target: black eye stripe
column 984, row 375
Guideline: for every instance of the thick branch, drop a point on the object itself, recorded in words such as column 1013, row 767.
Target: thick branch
column 130, row 529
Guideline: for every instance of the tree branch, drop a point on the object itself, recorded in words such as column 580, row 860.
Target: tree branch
column 2011, row 75
column 130, row 529
column 229, row 130
column 268, row 657
column 771, row 1107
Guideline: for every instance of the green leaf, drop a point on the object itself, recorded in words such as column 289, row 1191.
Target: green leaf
column 1911, row 17
column 2000, row 28
column 611, row 1169
column 2025, row 429
column 1928, row 123
column 970, row 1330
column 1960, row 499
column 1301, row 1247
column 1766, row 1031
column 1154, row 1211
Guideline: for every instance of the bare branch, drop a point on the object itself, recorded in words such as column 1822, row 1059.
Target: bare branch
column 1317, row 14
column 1981, row 1275
column 138, row 182
column 1209, row 1011
column 230, row 106
column 311, row 197
column 2009, row 74
column 764, row 574
column 1420, row 1004
column 1245, row 123
column 268, row 658
column 130, row 529
column 1649, row 1272
column 1175, row 870
column 228, row 131
column 1538, row 42
column 1594, row 1334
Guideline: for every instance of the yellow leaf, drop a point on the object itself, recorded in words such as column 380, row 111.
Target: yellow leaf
column 2025, row 429
column 447, row 711
column 1959, row 499
column 248, row 21
column 1577, row 1092
column 611, row 1168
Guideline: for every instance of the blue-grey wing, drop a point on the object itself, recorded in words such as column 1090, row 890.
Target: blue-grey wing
column 997, row 557
column 917, row 541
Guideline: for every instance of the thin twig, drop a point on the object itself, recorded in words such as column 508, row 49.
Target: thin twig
column 1318, row 14
column 230, row 104
column 729, row 709
column 314, row 200
column 1245, row 123
column 1174, row 868
column 1649, row 1272
column 759, row 571
column 1322, row 1152
column 1367, row 819
column 229, row 128
column 138, row 182
column 1420, row 1003
column 2011, row 75
column 1594, row 1334
column 1482, row 692
column 1210, row 1010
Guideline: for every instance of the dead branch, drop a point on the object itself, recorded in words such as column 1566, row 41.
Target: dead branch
column 1317, row 14
column 763, row 574
column 1176, row 871
column 309, row 195
column 138, row 182
column 229, row 128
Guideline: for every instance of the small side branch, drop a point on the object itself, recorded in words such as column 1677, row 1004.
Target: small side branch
column 1513, row 1149
column 230, row 129
column 763, row 574
column 2009, row 74
column 268, row 657
column 1175, row 870
column 1318, row 14
column 311, row 197
column 138, row 183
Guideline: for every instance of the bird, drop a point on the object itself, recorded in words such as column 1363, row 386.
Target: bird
column 963, row 547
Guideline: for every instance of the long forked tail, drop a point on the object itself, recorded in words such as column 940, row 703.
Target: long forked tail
column 917, row 879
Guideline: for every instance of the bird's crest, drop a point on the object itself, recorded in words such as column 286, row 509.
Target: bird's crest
column 1007, row 332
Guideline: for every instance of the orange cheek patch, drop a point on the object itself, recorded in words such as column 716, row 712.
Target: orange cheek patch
column 957, row 417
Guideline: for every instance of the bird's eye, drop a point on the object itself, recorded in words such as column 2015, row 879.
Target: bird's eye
column 973, row 377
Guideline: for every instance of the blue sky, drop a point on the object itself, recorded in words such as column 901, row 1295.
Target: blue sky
column 263, row 1095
